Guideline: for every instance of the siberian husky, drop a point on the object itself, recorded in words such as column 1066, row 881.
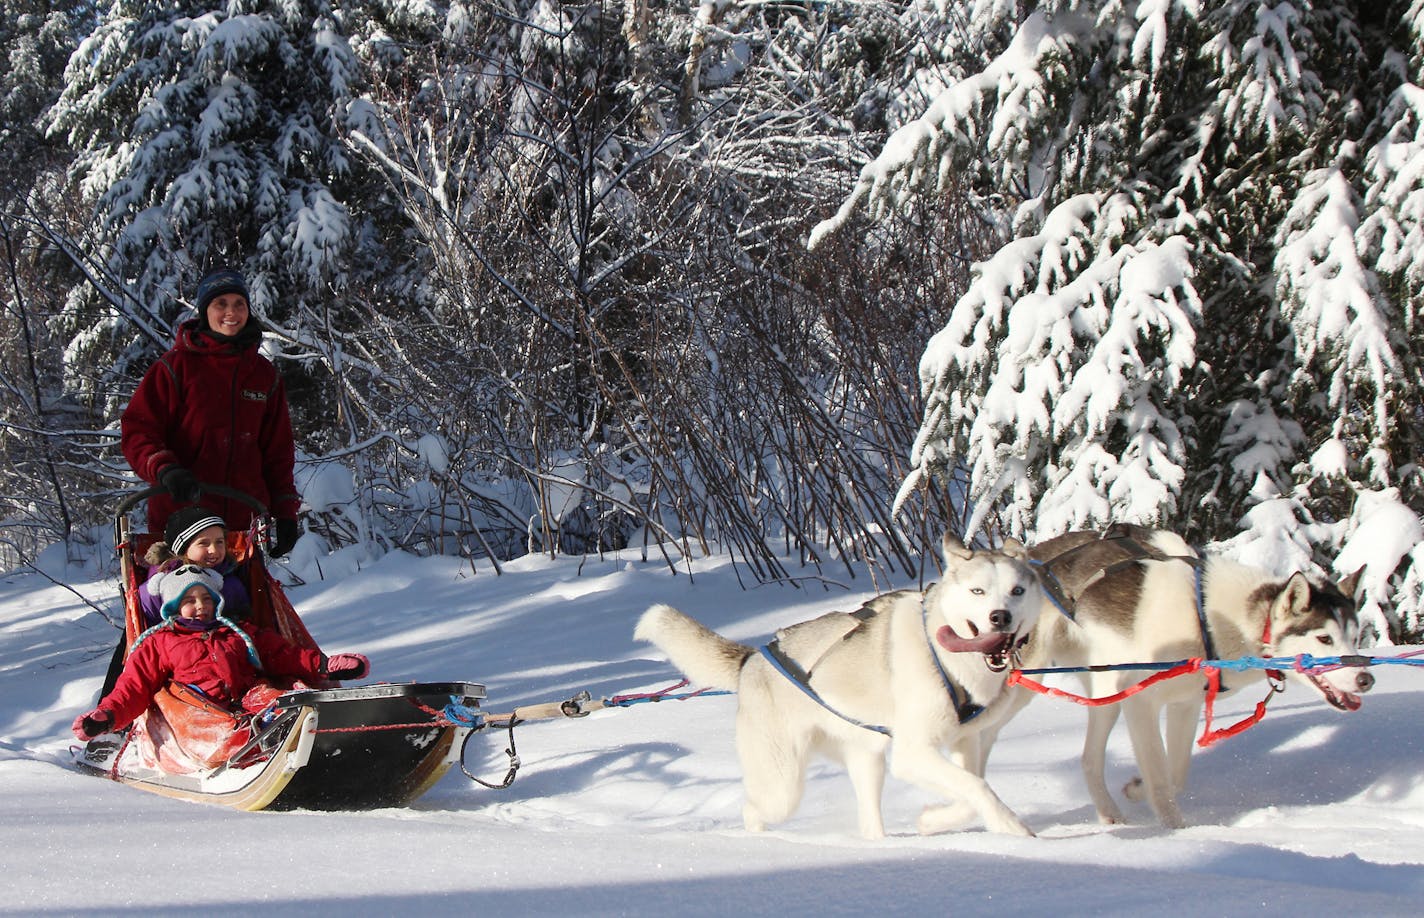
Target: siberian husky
column 1128, row 607
column 927, row 668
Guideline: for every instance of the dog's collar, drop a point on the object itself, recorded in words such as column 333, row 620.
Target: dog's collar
column 965, row 707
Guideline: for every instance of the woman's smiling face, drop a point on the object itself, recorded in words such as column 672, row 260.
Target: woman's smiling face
column 227, row 313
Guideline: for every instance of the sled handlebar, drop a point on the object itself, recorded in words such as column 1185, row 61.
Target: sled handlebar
column 136, row 497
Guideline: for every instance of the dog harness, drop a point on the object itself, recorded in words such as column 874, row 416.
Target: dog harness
column 802, row 679
column 1119, row 535
column 1066, row 600
column 965, row 708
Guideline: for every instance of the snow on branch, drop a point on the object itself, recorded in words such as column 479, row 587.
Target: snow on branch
column 919, row 149
column 1075, row 339
column 317, row 234
column 1329, row 295
column 1268, row 88
column 1394, row 198
column 233, row 42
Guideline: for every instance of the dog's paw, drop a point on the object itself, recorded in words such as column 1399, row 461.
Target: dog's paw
column 1111, row 817
column 1170, row 815
column 937, row 819
column 1015, row 826
column 1005, row 822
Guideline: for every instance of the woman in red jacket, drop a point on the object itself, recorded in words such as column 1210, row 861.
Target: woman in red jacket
column 214, row 409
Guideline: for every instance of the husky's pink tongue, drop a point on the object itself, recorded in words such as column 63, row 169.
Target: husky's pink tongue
column 1339, row 698
column 988, row 642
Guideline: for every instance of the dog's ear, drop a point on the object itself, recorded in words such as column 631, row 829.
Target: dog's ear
column 952, row 548
column 1294, row 597
column 1014, row 549
column 1351, row 584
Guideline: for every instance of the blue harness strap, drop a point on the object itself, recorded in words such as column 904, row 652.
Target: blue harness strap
column 1065, row 599
column 1207, row 643
column 965, row 708
column 1053, row 588
column 788, row 668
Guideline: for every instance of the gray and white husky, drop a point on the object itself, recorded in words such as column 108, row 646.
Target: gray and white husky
column 1129, row 608
column 926, row 668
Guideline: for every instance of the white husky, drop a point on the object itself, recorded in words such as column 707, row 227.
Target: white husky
column 926, row 668
column 1131, row 608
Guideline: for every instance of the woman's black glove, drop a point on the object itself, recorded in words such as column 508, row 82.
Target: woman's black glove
column 287, row 535
column 181, row 483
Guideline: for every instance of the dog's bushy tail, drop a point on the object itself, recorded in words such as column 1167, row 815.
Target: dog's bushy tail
column 703, row 655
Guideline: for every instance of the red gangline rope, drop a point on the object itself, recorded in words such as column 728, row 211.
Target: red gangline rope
column 1213, row 676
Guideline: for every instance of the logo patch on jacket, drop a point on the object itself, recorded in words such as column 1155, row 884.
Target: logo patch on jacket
column 252, row 395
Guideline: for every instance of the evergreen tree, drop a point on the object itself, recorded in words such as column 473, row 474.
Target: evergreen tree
column 1203, row 311
column 36, row 38
column 206, row 134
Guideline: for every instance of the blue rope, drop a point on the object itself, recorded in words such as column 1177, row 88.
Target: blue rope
column 462, row 715
column 1307, row 661
column 1304, row 661
column 1100, row 668
column 1052, row 588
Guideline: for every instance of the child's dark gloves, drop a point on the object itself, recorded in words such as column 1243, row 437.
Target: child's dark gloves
column 95, row 723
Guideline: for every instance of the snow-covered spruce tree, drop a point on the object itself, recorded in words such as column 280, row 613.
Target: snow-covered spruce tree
column 208, row 133
column 1203, row 312
column 36, row 38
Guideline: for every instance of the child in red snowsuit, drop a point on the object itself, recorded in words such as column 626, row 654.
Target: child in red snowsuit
column 198, row 647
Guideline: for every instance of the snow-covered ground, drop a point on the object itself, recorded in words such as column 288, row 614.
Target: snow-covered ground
column 637, row 810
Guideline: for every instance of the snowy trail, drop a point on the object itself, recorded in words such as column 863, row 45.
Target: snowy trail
column 637, row 810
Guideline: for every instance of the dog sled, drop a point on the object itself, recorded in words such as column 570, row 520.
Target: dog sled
column 316, row 747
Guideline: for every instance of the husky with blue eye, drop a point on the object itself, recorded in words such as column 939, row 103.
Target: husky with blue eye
column 924, row 670
column 1141, row 595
